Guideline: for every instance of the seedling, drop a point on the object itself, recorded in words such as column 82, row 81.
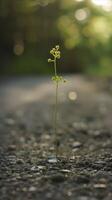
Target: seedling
column 56, row 54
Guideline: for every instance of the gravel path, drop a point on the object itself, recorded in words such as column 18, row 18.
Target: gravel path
column 29, row 168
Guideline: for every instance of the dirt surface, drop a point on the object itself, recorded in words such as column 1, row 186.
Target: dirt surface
column 29, row 168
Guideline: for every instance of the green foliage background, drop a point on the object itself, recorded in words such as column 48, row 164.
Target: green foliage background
column 29, row 28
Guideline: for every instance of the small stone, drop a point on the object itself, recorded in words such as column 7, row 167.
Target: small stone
column 27, row 176
column 13, row 179
column 32, row 189
column 33, row 168
column 57, row 178
column 100, row 185
column 72, row 158
column 46, row 137
column 13, row 192
column 24, row 189
column 83, row 198
column 20, row 161
column 18, row 177
column 52, row 160
column 65, row 170
column 79, row 125
column 22, row 139
column 69, row 193
column 40, row 167
column 74, row 150
column 76, row 144
column 12, row 159
column 52, row 148
column 97, row 133
column 10, row 121
column 11, row 147
column 49, row 195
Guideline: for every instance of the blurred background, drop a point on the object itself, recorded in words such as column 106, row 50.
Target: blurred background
column 30, row 28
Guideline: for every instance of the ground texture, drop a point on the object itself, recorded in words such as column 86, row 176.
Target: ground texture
column 29, row 168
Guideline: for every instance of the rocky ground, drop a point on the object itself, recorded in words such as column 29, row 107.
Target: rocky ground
column 29, row 168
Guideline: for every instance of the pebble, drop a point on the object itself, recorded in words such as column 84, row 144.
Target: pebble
column 20, row 161
column 72, row 157
column 65, row 170
column 22, row 139
column 100, row 185
column 79, row 126
column 97, row 133
column 57, row 178
column 76, row 144
column 40, row 167
column 52, row 148
column 12, row 159
column 11, row 147
column 32, row 189
column 52, row 160
column 49, row 195
column 33, row 168
column 24, row 189
column 86, row 198
column 46, row 137
column 69, row 193
column 9, row 121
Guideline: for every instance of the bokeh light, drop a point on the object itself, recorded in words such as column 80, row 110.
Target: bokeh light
column 72, row 95
column 18, row 49
column 79, row 0
column 81, row 14
column 83, row 28
column 105, row 4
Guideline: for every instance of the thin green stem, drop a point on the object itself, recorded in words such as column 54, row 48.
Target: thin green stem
column 56, row 109
column 55, row 69
column 56, row 106
column 56, row 116
column 56, row 99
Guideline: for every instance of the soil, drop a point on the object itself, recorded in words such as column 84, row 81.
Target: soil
column 31, row 167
